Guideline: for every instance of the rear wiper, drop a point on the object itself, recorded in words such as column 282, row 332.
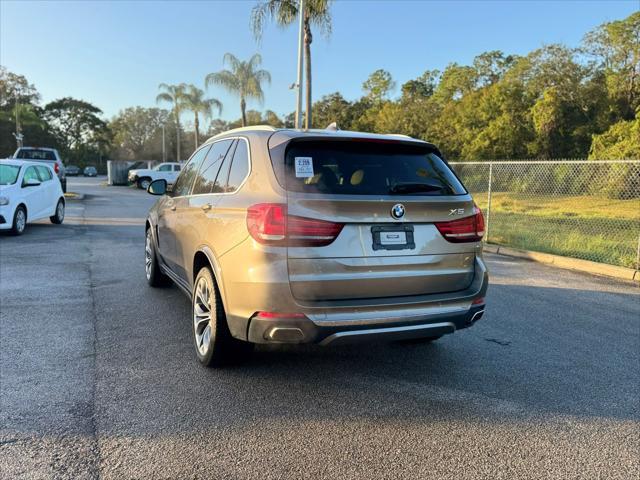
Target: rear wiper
column 415, row 187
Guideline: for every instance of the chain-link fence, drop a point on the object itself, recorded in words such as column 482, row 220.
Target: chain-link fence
column 582, row 209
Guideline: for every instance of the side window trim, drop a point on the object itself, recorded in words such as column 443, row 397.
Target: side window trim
column 249, row 165
column 225, row 178
column 40, row 174
column 193, row 182
column 233, row 159
column 186, row 164
column 212, row 146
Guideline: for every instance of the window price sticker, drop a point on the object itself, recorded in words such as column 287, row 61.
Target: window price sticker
column 304, row 167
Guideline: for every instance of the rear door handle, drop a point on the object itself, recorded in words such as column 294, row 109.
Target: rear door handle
column 206, row 207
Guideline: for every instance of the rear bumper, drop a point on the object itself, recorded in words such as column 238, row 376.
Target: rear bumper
column 433, row 316
column 301, row 330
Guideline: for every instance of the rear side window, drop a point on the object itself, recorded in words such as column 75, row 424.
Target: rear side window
column 209, row 177
column 30, row 174
column 239, row 167
column 35, row 154
column 185, row 179
column 45, row 173
column 367, row 168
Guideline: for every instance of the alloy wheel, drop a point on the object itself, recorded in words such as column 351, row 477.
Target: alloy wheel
column 202, row 315
column 148, row 255
column 21, row 221
column 60, row 211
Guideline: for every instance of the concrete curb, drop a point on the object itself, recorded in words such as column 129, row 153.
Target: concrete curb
column 76, row 196
column 568, row 263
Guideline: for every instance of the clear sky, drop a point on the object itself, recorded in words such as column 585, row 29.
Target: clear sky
column 115, row 53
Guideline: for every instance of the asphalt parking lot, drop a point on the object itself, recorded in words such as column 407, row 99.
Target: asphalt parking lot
column 98, row 377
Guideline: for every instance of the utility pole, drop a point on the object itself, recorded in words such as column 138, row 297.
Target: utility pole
column 164, row 152
column 18, row 134
column 300, row 64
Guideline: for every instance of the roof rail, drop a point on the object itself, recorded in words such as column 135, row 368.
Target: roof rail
column 402, row 135
column 265, row 128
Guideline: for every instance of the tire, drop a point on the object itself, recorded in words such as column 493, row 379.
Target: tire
column 19, row 220
column 155, row 277
column 144, row 183
column 58, row 217
column 214, row 345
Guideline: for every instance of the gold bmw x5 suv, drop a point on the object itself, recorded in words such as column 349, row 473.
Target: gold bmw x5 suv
column 318, row 236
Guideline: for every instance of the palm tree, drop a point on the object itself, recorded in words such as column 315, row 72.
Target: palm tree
column 195, row 102
column 285, row 12
column 175, row 95
column 244, row 79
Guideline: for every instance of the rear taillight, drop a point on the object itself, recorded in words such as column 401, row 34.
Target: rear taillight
column 468, row 229
column 269, row 224
column 56, row 168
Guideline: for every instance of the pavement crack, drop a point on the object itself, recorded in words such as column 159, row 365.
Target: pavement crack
column 499, row 342
column 94, row 469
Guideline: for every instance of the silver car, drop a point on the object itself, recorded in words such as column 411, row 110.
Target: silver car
column 329, row 237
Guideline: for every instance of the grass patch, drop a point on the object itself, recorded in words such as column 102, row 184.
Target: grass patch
column 586, row 227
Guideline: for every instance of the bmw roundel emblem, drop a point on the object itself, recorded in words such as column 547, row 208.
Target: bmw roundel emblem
column 397, row 211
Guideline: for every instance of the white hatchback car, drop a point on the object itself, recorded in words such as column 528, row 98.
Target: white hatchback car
column 28, row 191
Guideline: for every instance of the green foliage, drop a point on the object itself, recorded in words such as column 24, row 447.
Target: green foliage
column 317, row 13
column 616, row 48
column 253, row 117
column 555, row 102
column 175, row 95
column 285, row 12
column 244, row 79
column 552, row 103
column 379, row 85
column 137, row 133
column 195, row 102
column 620, row 142
column 422, row 87
column 78, row 128
column 15, row 89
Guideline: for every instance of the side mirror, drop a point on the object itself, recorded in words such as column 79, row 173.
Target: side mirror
column 32, row 182
column 158, row 187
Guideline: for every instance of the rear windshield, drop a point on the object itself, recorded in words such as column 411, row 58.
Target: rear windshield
column 368, row 168
column 8, row 174
column 35, row 154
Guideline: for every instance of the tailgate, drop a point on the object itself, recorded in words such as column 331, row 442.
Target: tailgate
column 383, row 201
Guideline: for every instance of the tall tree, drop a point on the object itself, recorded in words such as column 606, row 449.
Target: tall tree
column 616, row 47
column 76, row 124
column 285, row 12
column 379, row 85
column 332, row 108
column 16, row 89
column 137, row 132
column 244, row 79
column 422, row 87
column 195, row 102
column 175, row 96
